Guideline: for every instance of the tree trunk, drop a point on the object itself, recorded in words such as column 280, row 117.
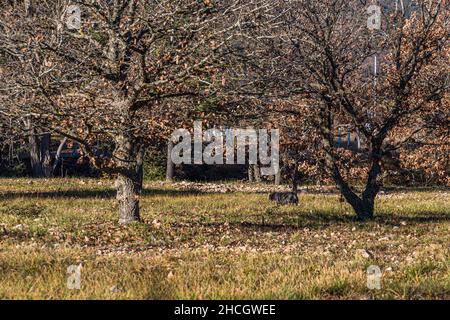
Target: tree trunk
column 35, row 154
column 129, row 157
column 46, row 158
column 257, row 172
column 170, row 168
column 363, row 210
column 278, row 178
column 251, row 173
column 58, row 155
column 39, row 149
column 372, row 188
column 364, row 205
column 128, row 192
column 295, row 177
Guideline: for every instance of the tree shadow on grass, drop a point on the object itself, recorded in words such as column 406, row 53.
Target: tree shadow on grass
column 400, row 189
column 321, row 220
column 267, row 222
column 89, row 193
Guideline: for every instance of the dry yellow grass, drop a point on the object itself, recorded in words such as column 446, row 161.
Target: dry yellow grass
column 211, row 245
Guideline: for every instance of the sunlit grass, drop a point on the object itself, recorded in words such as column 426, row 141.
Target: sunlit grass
column 236, row 245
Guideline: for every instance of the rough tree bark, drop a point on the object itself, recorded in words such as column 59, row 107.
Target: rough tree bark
column 129, row 156
column 39, row 149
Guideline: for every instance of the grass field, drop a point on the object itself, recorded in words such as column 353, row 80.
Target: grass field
column 225, row 242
